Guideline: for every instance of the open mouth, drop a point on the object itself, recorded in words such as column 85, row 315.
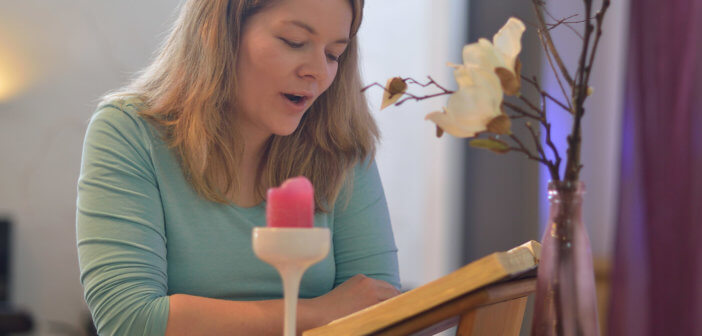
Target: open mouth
column 295, row 99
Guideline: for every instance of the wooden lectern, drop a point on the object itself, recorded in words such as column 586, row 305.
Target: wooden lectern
column 486, row 297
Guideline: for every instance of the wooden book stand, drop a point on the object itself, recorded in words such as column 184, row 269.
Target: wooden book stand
column 486, row 297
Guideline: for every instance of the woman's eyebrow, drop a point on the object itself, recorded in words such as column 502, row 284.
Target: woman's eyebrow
column 313, row 31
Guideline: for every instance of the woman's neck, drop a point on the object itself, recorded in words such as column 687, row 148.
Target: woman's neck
column 245, row 194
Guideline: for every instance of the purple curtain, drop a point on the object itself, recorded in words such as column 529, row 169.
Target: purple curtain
column 657, row 278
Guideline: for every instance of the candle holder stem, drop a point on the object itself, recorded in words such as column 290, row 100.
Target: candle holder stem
column 291, row 286
column 291, row 251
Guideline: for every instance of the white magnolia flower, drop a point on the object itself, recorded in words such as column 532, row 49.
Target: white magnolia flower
column 488, row 71
column 476, row 103
column 499, row 56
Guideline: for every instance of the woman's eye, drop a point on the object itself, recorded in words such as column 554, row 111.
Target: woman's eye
column 297, row 45
column 292, row 44
column 333, row 58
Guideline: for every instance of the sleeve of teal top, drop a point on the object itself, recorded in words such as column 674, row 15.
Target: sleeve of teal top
column 120, row 229
column 363, row 239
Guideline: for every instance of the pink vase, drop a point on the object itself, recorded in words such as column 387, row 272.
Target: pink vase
column 565, row 303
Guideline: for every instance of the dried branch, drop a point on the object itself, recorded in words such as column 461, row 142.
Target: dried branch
column 553, row 68
column 552, row 166
column 522, row 112
column 411, row 96
column 553, row 148
column 374, row 84
column 583, row 68
column 533, row 107
column 544, row 93
column 525, row 150
column 418, row 98
column 430, row 82
column 547, row 127
column 566, row 23
column 600, row 18
column 535, row 138
column 579, row 95
column 549, row 42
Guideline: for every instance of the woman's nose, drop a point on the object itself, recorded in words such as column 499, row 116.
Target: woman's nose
column 315, row 67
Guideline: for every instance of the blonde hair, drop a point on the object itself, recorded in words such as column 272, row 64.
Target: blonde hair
column 188, row 93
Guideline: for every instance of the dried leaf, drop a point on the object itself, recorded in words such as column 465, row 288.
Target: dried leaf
column 518, row 68
column 501, row 124
column 494, row 145
column 397, row 85
column 439, row 131
column 510, row 83
column 394, row 89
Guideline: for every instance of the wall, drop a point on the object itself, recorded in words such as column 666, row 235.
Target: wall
column 69, row 52
column 422, row 174
column 501, row 206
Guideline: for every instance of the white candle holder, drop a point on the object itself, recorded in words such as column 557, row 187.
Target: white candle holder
column 291, row 251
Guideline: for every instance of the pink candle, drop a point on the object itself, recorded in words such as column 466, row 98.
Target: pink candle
column 291, row 204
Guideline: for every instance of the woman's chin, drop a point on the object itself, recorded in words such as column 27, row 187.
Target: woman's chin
column 286, row 130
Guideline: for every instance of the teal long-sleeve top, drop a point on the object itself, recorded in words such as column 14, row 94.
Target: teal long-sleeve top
column 143, row 233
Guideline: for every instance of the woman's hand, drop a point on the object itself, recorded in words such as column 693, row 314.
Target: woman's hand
column 351, row 296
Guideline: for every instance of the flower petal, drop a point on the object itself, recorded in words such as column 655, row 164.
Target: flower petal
column 487, row 80
column 449, row 125
column 462, row 76
column 481, row 54
column 507, row 41
column 473, row 107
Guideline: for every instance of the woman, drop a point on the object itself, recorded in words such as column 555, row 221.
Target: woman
column 243, row 94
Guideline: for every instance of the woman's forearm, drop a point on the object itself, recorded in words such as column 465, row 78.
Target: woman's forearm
column 194, row 315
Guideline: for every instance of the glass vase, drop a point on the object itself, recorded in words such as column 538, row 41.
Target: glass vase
column 566, row 302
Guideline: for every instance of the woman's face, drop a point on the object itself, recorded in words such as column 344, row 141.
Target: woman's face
column 288, row 57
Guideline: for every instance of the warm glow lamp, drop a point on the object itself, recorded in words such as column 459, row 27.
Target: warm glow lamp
column 14, row 78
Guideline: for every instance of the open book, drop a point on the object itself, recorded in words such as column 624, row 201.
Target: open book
column 492, row 269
